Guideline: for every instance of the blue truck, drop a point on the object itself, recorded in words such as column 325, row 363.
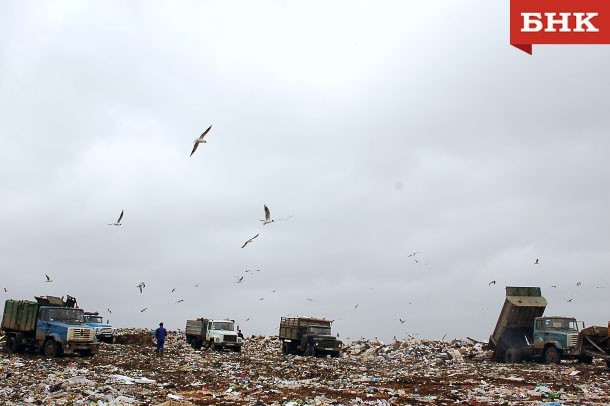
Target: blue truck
column 48, row 325
column 523, row 334
column 103, row 331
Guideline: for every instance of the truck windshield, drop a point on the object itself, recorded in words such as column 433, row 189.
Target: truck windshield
column 222, row 325
column 94, row 319
column 320, row 330
column 560, row 324
column 70, row 316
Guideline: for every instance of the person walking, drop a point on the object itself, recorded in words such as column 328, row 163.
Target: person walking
column 160, row 334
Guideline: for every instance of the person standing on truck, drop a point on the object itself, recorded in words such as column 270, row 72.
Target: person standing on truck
column 239, row 333
column 160, row 334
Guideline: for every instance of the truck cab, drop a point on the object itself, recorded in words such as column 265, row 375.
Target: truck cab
column 558, row 332
column 103, row 332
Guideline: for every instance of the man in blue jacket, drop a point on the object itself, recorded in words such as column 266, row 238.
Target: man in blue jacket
column 160, row 334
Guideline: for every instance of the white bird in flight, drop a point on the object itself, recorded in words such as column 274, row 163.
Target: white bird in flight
column 118, row 222
column 240, row 279
column 200, row 140
column 267, row 219
column 141, row 286
column 48, row 279
column 143, row 310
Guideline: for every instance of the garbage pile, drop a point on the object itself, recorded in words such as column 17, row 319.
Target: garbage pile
column 368, row 372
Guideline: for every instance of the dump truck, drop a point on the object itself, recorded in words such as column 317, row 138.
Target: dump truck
column 213, row 334
column 103, row 331
column 295, row 331
column 522, row 333
column 49, row 325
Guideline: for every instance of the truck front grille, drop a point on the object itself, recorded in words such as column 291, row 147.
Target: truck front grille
column 105, row 331
column 80, row 334
column 328, row 343
column 230, row 339
column 572, row 340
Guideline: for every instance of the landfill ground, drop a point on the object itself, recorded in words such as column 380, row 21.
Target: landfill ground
column 409, row 372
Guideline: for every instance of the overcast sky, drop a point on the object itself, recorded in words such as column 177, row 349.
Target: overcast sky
column 383, row 128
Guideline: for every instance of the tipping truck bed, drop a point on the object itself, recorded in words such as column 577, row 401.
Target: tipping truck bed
column 514, row 327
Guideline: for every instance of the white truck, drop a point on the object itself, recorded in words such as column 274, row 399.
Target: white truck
column 214, row 334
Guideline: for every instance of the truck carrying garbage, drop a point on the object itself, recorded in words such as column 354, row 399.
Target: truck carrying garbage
column 47, row 325
column 295, row 332
column 522, row 333
column 214, row 334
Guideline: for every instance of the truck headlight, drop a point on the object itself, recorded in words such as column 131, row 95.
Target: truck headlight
column 97, row 331
column 216, row 339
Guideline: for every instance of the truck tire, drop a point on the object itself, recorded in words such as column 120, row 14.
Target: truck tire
column 11, row 345
column 513, row 356
column 50, row 348
column 236, row 349
column 551, row 356
column 335, row 354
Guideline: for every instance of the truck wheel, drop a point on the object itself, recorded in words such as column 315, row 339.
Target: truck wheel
column 236, row 349
column 11, row 345
column 551, row 356
column 50, row 349
column 335, row 354
column 513, row 356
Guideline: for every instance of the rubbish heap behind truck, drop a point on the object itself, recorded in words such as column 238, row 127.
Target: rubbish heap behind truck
column 522, row 333
column 47, row 325
column 214, row 334
column 294, row 332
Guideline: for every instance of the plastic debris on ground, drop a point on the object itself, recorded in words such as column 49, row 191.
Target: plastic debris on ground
column 368, row 372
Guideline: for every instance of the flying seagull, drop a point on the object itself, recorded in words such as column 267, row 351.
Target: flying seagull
column 261, row 298
column 48, row 279
column 412, row 255
column 109, row 311
column 5, row 290
column 253, row 270
column 141, row 286
column 143, row 310
column 578, row 284
column 118, row 222
column 200, row 140
column 536, row 263
column 249, row 241
column 240, row 279
column 173, row 290
column 569, row 300
column 355, row 307
column 554, row 286
column 492, row 283
column 402, row 321
column 180, row 301
column 267, row 219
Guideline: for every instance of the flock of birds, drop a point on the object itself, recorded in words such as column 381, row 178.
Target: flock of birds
column 267, row 220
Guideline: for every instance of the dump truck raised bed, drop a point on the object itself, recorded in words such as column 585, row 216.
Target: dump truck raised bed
column 295, row 332
column 522, row 333
column 214, row 334
column 47, row 325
